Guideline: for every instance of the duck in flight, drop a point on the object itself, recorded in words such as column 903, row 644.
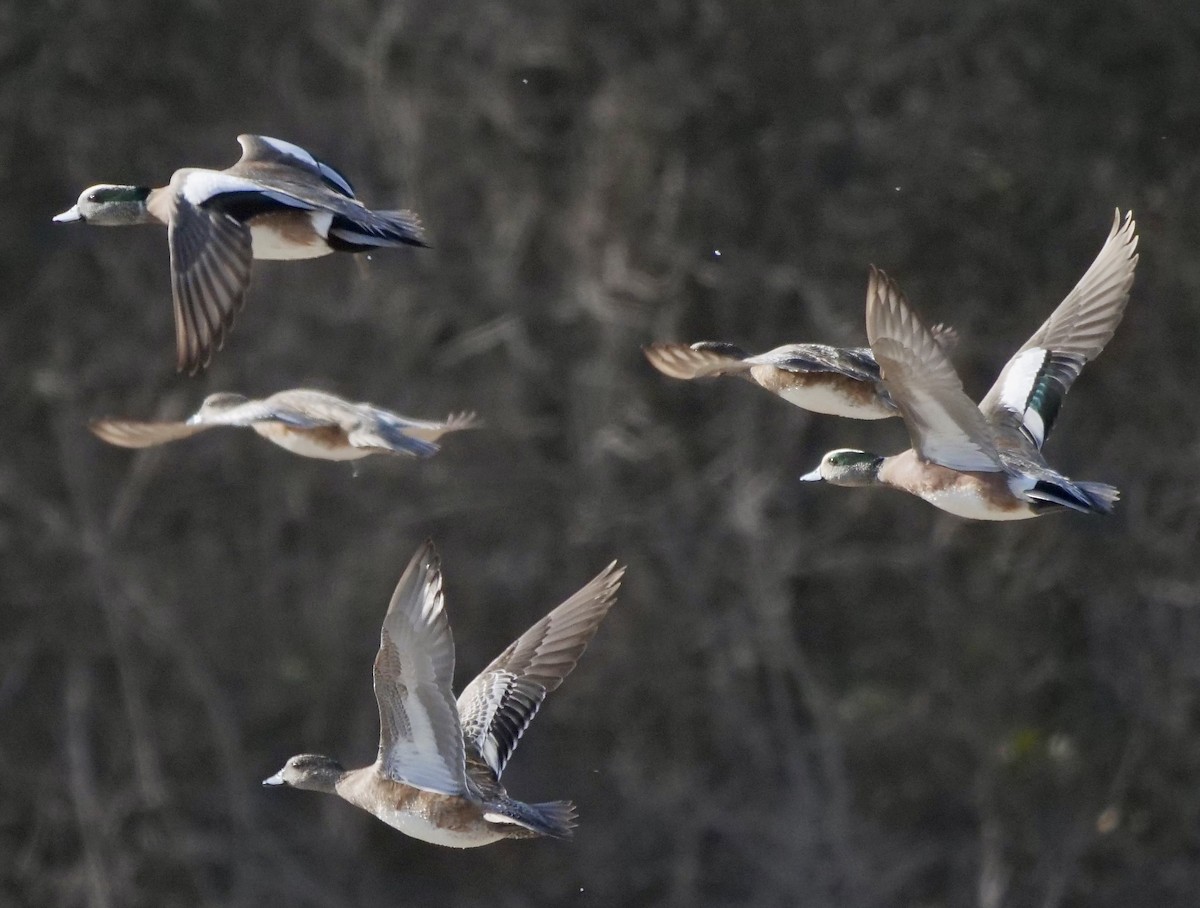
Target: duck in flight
column 305, row 422
column 985, row 462
column 437, row 773
column 839, row 381
column 276, row 202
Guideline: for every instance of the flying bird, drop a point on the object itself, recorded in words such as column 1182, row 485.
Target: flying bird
column 305, row 422
column 839, row 381
column 437, row 773
column 276, row 202
column 985, row 462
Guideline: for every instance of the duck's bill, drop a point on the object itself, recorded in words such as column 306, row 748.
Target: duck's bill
column 274, row 780
column 814, row 476
column 71, row 214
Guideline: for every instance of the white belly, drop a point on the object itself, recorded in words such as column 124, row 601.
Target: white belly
column 420, row 828
column 963, row 503
column 827, row 400
column 300, row 442
column 268, row 242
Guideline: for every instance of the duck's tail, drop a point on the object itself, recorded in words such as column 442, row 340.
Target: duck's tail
column 375, row 229
column 432, row 431
column 1088, row 497
column 1101, row 496
column 550, row 818
column 700, row 360
column 402, row 438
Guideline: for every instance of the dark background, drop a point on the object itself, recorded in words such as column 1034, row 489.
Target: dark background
column 806, row 695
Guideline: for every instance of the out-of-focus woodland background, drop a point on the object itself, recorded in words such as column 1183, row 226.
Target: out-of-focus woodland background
column 806, row 695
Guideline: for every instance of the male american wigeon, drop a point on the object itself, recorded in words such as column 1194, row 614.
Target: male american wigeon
column 839, row 381
column 276, row 202
column 437, row 773
column 309, row 423
column 985, row 462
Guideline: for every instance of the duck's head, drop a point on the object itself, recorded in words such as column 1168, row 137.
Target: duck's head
column 218, row 403
column 311, row 771
column 846, row 467
column 109, row 205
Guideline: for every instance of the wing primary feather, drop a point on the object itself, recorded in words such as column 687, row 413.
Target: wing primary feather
column 498, row 705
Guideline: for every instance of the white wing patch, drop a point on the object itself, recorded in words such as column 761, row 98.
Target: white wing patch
column 1023, row 373
column 304, row 157
column 202, row 185
column 292, row 151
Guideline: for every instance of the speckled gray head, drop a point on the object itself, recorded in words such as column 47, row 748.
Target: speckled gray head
column 846, row 467
column 109, row 204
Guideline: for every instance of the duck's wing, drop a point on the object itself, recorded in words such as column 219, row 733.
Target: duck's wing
column 499, row 704
column 131, row 433
column 1030, row 390
column 944, row 424
column 420, row 739
column 293, row 176
column 266, row 150
column 211, row 256
column 701, row 360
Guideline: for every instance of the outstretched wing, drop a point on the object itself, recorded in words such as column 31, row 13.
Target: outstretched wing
column 132, row 433
column 945, row 425
column 420, row 739
column 499, row 704
column 266, row 150
column 700, row 360
column 1029, row 392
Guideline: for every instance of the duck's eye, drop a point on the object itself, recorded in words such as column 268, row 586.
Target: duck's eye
column 91, row 197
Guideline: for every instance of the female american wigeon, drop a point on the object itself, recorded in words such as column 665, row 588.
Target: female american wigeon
column 276, row 202
column 437, row 775
column 309, row 423
column 985, row 462
column 839, row 381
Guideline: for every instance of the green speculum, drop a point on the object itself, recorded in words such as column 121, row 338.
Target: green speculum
column 120, row 194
